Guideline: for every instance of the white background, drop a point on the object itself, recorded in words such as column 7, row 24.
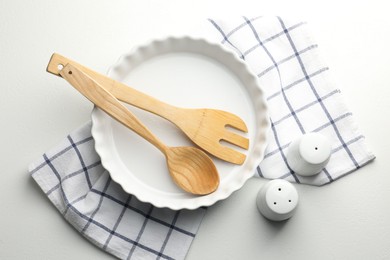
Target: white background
column 348, row 219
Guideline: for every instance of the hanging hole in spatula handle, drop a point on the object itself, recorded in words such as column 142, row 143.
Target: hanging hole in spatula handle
column 57, row 63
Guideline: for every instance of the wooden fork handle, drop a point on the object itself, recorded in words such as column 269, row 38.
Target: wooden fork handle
column 107, row 102
column 117, row 89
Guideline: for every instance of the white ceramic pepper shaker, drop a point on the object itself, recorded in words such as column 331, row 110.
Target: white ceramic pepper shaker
column 277, row 200
column 309, row 154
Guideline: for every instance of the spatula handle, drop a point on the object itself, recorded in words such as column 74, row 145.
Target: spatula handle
column 117, row 89
column 107, row 102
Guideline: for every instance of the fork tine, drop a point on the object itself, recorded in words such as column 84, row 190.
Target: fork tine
column 235, row 122
column 231, row 155
column 236, row 139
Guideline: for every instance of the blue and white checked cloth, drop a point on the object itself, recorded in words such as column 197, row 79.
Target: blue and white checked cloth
column 72, row 177
column 301, row 97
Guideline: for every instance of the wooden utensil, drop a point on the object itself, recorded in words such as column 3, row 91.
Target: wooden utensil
column 190, row 168
column 205, row 127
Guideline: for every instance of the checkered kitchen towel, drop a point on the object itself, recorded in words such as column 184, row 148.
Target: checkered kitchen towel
column 301, row 95
column 302, row 98
column 73, row 178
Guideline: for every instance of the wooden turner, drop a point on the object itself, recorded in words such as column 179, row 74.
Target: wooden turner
column 205, row 127
column 190, row 168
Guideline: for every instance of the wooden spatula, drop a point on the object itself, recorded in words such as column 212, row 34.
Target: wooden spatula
column 205, row 127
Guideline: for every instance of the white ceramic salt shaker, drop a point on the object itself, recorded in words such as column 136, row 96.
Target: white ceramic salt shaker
column 277, row 200
column 309, row 154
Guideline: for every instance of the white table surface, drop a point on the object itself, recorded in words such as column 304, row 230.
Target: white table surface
column 348, row 219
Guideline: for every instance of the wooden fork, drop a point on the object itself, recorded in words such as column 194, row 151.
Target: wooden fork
column 205, row 127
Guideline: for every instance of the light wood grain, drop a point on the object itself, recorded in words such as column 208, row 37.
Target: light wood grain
column 190, row 168
column 205, row 127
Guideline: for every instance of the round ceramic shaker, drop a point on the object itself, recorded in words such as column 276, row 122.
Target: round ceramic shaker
column 277, row 200
column 309, row 154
